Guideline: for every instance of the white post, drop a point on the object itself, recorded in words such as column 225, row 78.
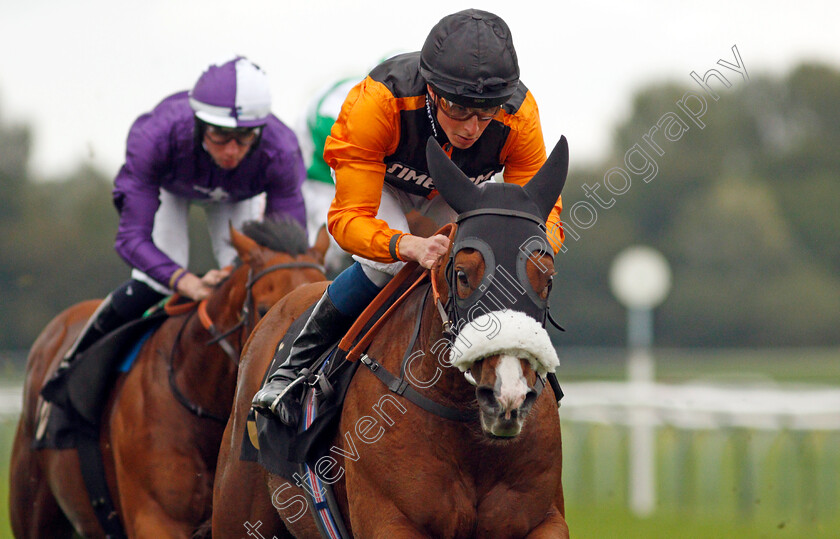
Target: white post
column 640, row 374
column 640, row 278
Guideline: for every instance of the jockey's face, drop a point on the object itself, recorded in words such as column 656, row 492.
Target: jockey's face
column 228, row 147
column 461, row 133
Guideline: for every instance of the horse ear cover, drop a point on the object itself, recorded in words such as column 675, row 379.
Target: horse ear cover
column 456, row 188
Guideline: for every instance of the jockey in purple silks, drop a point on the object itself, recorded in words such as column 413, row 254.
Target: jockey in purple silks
column 217, row 146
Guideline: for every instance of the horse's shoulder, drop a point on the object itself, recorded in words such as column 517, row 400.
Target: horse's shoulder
column 298, row 300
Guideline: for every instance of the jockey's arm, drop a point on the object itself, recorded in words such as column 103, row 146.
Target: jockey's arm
column 364, row 133
column 136, row 196
column 284, row 176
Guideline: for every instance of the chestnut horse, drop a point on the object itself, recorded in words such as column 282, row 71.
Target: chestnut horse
column 159, row 440
column 488, row 467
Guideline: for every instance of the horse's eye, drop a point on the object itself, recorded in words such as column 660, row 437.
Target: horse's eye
column 547, row 289
column 463, row 280
column 262, row 310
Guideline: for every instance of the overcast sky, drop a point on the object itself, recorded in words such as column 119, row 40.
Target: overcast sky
column 79, row 72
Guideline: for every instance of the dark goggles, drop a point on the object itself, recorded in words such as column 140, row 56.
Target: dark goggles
column 460, row 113
column 244, row 136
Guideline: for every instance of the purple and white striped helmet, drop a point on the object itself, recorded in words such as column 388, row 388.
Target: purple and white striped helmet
column 232, row 94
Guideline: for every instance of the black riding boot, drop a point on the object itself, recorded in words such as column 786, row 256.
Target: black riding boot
column 282, row 391
column 104, row 320
column 128, row 302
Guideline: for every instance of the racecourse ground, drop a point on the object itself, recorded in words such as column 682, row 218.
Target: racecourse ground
column 788, row 488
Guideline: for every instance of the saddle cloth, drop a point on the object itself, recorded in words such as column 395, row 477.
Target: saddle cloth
column 281, row 449
column 78, row 397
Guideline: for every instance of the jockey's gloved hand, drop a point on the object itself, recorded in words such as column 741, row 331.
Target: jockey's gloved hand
column 425, row 251
column 215, row 276
column 198, row 288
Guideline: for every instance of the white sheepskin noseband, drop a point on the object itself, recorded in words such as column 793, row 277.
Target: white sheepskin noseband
column 504, row 332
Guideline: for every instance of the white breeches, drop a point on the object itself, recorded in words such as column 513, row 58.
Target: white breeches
column 171, row 229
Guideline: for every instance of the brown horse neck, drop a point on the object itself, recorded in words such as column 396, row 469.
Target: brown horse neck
column 205, row 373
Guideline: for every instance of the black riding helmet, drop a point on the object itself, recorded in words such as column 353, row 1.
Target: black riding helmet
column 469, row 59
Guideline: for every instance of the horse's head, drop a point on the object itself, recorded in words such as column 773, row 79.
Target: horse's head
column 498, row 277
column 275, row 258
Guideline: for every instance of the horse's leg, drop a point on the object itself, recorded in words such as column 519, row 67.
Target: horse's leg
column 150, row 520
column 140, row 481
column 240, row 497
column 374, row 513
column 163, row 482
column 147, row 516
column 252, row 510
column 37, row 508
column 33, row 509
column 384, row 521
column 554, row 524
column 163, row 490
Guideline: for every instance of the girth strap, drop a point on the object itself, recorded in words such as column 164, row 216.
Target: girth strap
column 93, row 474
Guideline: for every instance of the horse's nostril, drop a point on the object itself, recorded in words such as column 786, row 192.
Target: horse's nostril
column 530, row 399
column 486, row 397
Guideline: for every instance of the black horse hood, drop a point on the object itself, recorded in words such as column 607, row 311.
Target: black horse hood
column 506, row 224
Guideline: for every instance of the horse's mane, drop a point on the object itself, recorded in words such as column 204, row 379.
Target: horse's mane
column 282, row 234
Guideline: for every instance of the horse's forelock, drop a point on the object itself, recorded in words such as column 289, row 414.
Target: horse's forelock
column 283, row 234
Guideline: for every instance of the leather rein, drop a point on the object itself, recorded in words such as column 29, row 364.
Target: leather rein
column 246, row 315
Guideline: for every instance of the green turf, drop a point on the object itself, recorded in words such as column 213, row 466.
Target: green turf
column 7, row 433
column 607, row 522
column 734, row 483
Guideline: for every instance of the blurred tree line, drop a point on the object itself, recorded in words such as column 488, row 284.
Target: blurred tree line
column 56, row 245
column 743, row 208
